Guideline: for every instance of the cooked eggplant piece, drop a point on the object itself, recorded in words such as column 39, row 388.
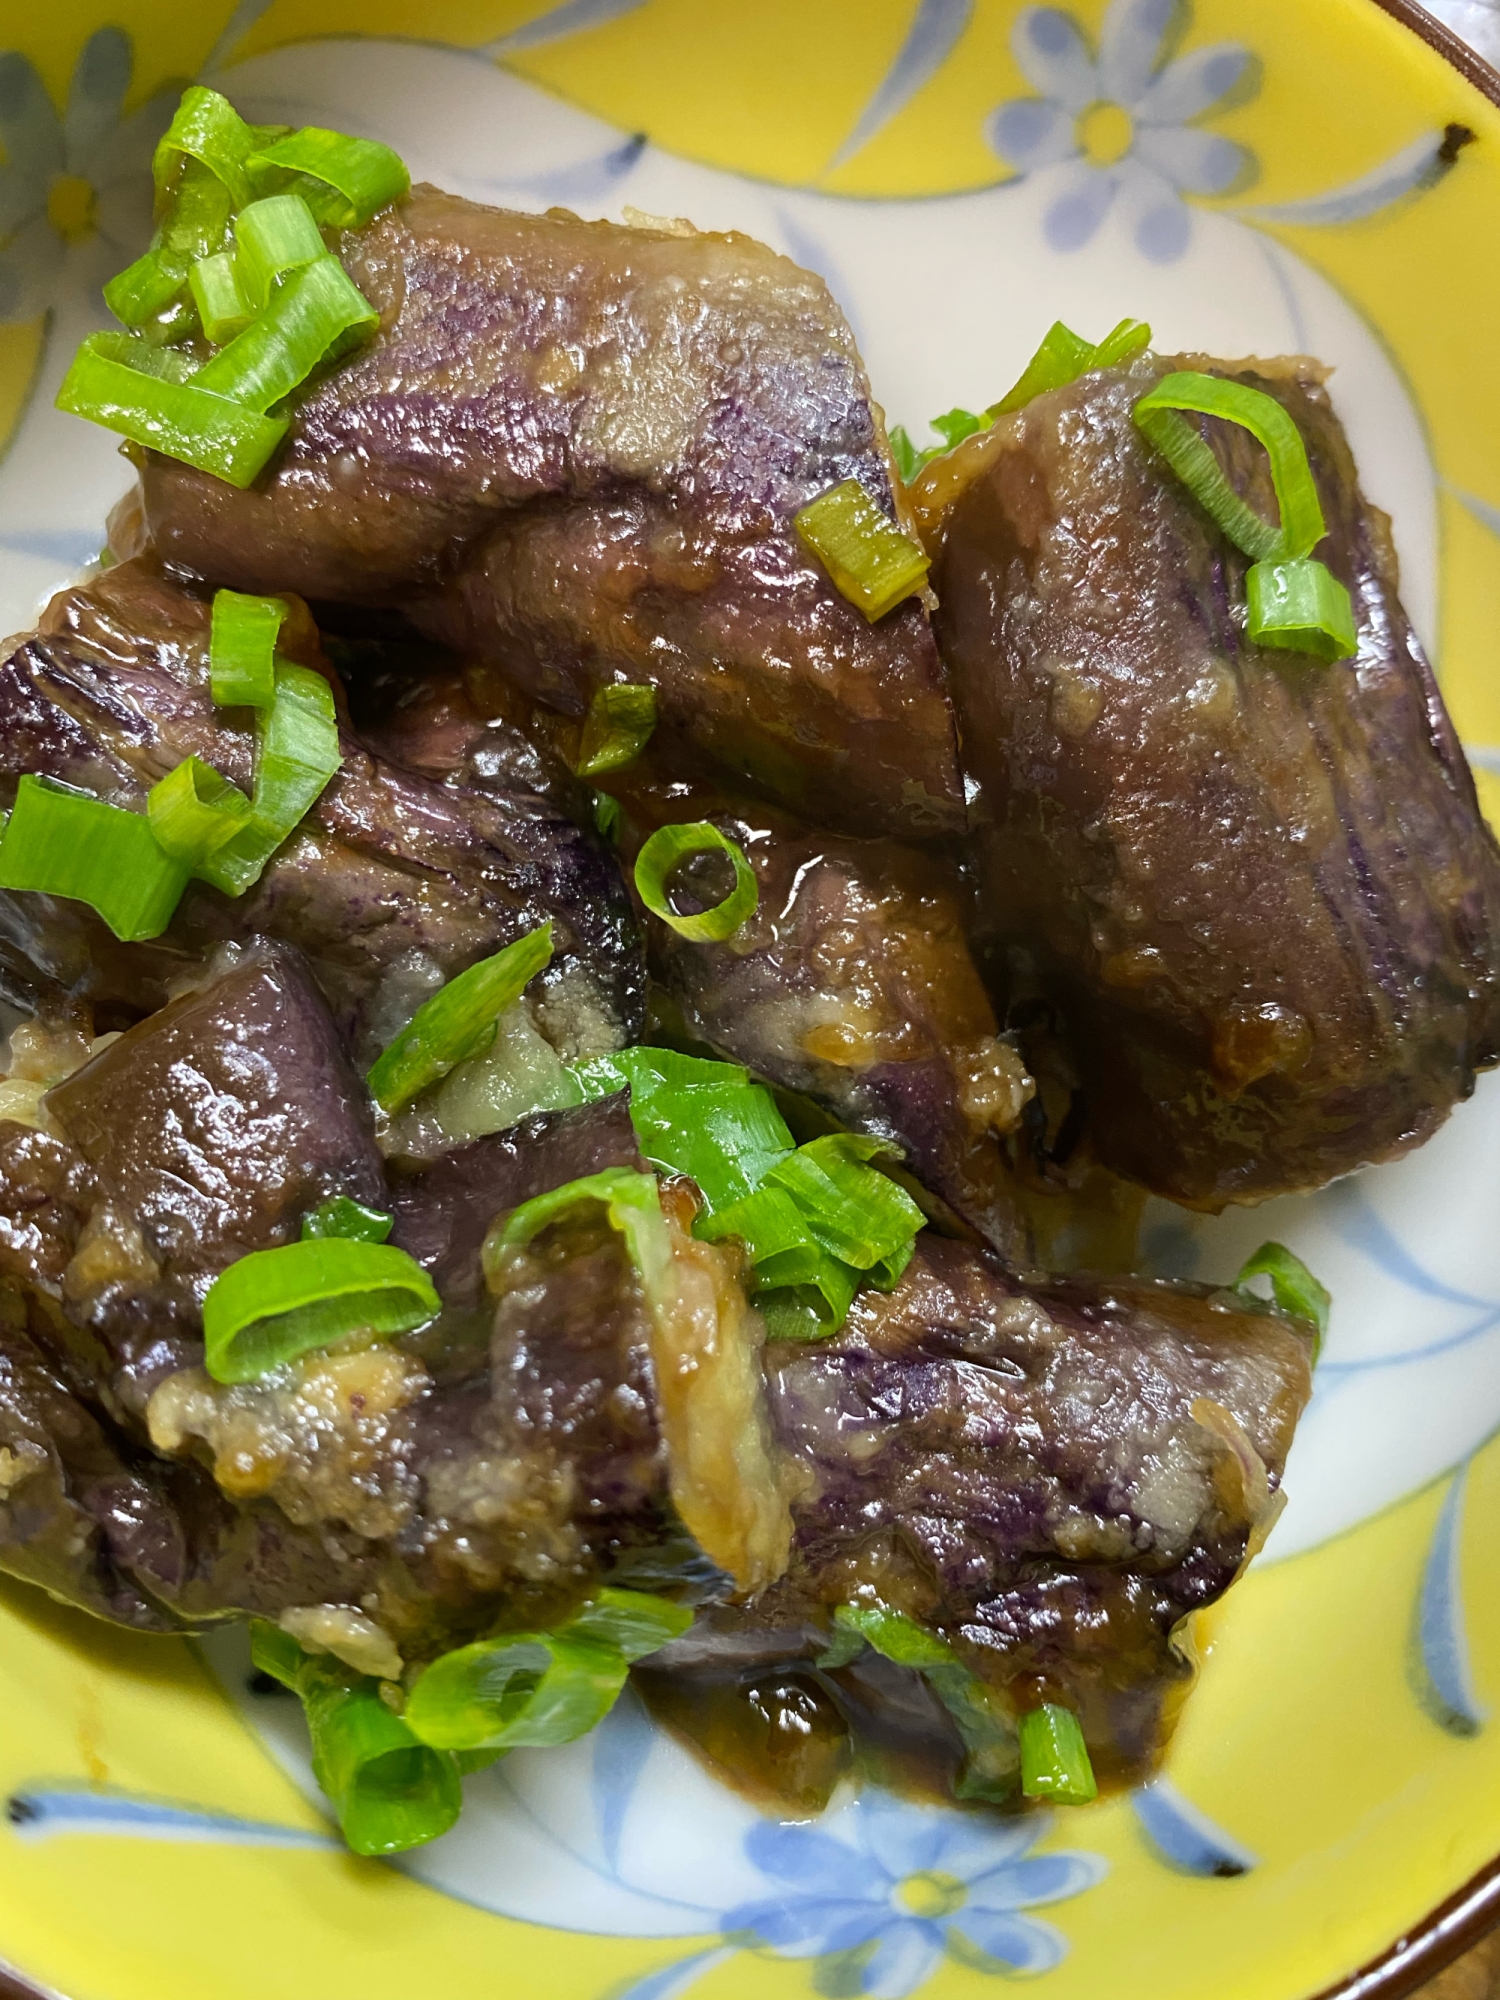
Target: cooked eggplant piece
column 389, row 885
column 1258, row 886
column 576, row 449
column 853, row 985
column 1051, row 1475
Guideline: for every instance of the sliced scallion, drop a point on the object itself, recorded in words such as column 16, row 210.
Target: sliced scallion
column 1062, row 357
column 272, row 1305
column 982, row 1721
column 1300, row 607
column 274, row 235
column 858, row 1215
column 193, row 811
column 351, row 179
column 665, row 851
column 223, row 309
column 1293, row 1287
column 341, row 1215
column 538, row 1689
column 63, row 842
column 242, row 648
column 1121, row 344
column 620, row 720
column 458, row 1021
column 303, row 323
column 1294, row 603
column 143, row 289
column 390, row 1791
column 207, row 128
column 869, row 559
column 696, row 1117
column 1054, row 1757
column 296, row 753
column 112, row 382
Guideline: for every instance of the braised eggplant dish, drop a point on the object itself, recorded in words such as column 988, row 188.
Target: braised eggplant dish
column 600, row 958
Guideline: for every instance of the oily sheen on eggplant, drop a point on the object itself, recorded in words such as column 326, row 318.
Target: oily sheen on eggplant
column 391, row 883
column 1259, row 886
column 576, row 448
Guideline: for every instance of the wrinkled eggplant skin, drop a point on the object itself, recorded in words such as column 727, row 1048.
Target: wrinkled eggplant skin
column 1259, row 886
column 853, row 985
column 1025, row 1467
column 576, row 449
column 209, row 1130
column 389, row 872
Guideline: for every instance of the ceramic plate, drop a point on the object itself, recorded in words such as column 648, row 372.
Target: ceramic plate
column 1252, row 176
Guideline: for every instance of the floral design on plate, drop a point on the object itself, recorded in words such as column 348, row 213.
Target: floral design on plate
column 912, row 1887
column 1119, row 123
column 75, row 189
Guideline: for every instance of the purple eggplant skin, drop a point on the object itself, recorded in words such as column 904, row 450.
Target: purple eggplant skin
column 391, row 882
column 577, row 449
column 1259, row 886
column 1052, row 1474
column 210, row 1129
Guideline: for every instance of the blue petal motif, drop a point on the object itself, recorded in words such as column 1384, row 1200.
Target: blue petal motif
column 39, row 1811
column 1054, row 58
column 573, row 17
column 1024, row 1943
column 1032, row 132
column 818, row 1864
column 1194, row 162
column 1074, row 217
column 622, row 1744
column 811, row 1928
column 1440, row 1621
column 1415, row 168
column 1137, row 35
column 1044, row 1878
column 239, row 24
column 909, row 1952
column 101, row 78
column 1220, row 75
column 1185, row 1837
column 30, row 129
column 930, row 40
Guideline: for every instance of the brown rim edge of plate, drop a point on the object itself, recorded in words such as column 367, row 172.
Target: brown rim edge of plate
column 1454, row 1926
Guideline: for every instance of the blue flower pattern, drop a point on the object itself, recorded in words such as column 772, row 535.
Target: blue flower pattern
column 75, row 189
column 1117, row 124
column 911, row 1887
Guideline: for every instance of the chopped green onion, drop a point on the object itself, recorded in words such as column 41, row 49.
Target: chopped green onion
column 353, row 178
column 112, row 382
column 275, row 235
column 606, row 817
column 1121, row 344
column 304, row 321
column 272, row 1305
column 1062, row 357
column 143, row 289
column 983, row 1724
column 193, row 811
column 663, row 853
column 458, row 1021
column 909, row 461
column 242, row 648
column 858, row 1215
column 1301, row 527
column 1054, row 1757
column 223, row 309
column 811, row 1311
column 696, row 1117
column 196, row 219
column 297, row 752
column 1300, row 607
column 620, row 720
column 390, row 1791
column 869, row 559
column 630, row 1201
column 341, row 1215
column 207, row 128
column 1295, row 604
column 63, row 842
column 1293, row 1287
column 538, row 1689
